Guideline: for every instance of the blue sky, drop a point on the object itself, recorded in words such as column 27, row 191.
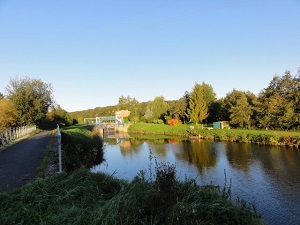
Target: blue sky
column 92, row 52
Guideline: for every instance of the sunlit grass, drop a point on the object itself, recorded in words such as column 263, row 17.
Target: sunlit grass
column 83, row 197
column 267, row 137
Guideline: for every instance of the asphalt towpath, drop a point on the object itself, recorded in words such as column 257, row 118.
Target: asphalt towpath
column 18, row 163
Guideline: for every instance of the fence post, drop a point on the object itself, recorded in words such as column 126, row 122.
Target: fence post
column 59, row 148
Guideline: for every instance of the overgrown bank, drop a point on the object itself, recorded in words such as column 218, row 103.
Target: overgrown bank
column 82, row 147
column 234, row 135
column 82, row 197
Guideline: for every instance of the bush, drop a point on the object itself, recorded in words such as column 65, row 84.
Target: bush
column 174, row 122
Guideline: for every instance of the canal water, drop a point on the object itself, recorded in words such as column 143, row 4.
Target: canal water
column 268, row 176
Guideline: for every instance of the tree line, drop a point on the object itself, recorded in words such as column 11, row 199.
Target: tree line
column 30, row 101
column 275, row 107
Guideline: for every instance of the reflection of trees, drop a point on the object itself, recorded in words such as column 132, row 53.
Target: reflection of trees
column 282, row 163
column 159, row 149
column 130, row 147
column 199, row 153
column 239, row 155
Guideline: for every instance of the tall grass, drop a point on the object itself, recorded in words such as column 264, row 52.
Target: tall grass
column 80, row 148
column 83, row 197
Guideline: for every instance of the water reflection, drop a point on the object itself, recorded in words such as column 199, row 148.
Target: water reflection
column 200, row 154
column 267, row 175
column 239, row 155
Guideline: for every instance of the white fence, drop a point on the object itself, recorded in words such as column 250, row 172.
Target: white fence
column 14, row 133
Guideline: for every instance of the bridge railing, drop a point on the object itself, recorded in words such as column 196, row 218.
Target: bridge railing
column 11, row 134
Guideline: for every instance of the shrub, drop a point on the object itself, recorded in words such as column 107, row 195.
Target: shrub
column 174, row 122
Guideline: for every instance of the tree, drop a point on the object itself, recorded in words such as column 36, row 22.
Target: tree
column 159, row 107
column 135, row 110
column 208, row 93
column 149, row 114
column 278, row 104
column 217, row 111
column 241, row 112
column 132, row 105
column 31, row 98
column 197, row 109
column 179, row 109
column 7, row 113
column 58, row 115
column 231, row 101
column 124, row 102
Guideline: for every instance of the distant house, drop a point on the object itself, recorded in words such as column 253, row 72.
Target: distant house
column 221, row 124
column 122, row 113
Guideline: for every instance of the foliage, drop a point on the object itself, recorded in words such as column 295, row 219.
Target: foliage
column 158, row 107
column 131, row 104
column 198, row 109
column 278, row 106
column 81, row 148
column 179, row 108
column 173, row 122
column 7, row 113
column 57, row 116
column 240, row 113
column 217, row 111
column 31, row 98
column 83, row 197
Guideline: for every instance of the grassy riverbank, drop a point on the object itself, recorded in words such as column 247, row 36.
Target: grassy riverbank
column 233, row 135
column 82, row 197
column 81, row 147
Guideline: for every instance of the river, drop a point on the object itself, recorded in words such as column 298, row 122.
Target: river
column 268, row 176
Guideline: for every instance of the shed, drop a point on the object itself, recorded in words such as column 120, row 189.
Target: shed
column 221, row 124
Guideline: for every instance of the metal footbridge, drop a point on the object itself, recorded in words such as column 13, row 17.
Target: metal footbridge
column 108, row 119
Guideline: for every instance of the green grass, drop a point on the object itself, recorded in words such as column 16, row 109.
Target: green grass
column 234, row 135
column 83, row 197
column 40, row 171
column 81, row 147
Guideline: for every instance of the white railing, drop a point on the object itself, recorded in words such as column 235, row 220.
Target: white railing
column 11, row 134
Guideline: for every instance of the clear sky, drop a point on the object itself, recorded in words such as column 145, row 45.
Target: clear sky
column 94, row 51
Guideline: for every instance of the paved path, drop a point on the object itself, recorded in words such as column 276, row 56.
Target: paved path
column 19, row 162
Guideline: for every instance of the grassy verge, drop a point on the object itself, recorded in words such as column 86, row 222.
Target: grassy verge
column 81, row 147
column 40, row 171
column 234, row 135
column 82, row 197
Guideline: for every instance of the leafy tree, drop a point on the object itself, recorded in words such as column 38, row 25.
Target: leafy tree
column 197, row 109
column 7, row 113
column 159, row 107
column 59, row 116
column 179, row 109
column 208, row 93
column 1, row 95
column 135, row 110
column 132, row 105
column 31, row 98
column 241, row 112
column 124, row 102
column 231, row 101
column 278, row 104
column 149, row 114
column 217, row 111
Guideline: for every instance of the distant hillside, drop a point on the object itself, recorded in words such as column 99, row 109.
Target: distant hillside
column 100, row 111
